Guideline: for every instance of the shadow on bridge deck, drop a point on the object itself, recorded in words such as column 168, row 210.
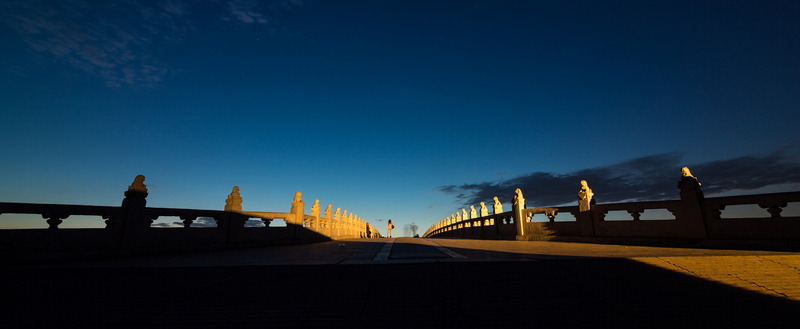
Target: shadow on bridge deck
column 331, row 286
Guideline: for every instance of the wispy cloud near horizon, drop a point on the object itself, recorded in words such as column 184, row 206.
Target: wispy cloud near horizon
column 207, row 222
column 652, row 177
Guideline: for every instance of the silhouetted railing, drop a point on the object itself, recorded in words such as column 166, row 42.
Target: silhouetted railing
column 129, row 230
column 695, row 220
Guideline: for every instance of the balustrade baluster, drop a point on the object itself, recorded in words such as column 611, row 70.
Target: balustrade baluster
column 188, row 220
column 111, row 221
column 635, row 213
column 53, row 220
column 774, row 207
column 551, row 214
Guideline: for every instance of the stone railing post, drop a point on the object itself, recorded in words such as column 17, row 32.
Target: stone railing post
column 350, row 225
column 452, row 229
column 233, row 223
column 346, row 224
column 297, row 215
column 336, row 223
column 328, row 221
column 466, row 230
column 692, row 203
column 135, row 224
column 314, row 222
column 234, row 200
column 343, row 225
column 585, row 216
column 518, row 204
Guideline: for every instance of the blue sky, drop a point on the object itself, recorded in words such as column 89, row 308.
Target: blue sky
column 406, row 110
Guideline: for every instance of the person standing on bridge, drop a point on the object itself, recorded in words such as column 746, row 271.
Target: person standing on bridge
column 391, row 226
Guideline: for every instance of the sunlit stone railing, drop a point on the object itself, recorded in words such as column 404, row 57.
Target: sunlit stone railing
column 128, row 228
column 693, row 219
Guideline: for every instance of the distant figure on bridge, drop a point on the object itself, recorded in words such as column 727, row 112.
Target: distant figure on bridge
column 413, row 229
column 391, row 226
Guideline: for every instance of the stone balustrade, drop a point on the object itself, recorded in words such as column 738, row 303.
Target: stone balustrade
column 128, row 229
column 691, row 221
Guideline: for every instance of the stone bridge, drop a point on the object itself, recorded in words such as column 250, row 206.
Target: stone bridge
column 128, row 229
column 321, row 272
column 691, row 221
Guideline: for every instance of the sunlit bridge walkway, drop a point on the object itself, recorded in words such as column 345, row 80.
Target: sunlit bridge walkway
column 414, row 283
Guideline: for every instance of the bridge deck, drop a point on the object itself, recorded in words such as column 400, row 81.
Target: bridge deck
column 421, row 283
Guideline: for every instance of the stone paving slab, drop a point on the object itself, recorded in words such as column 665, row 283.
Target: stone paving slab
column 495, row 284
column 416, row 249
column 776, row 275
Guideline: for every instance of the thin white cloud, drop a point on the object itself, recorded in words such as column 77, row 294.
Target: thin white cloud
column 258, row 12
column 246, row 11
column 109, row 40
column 114, row 40
column 173, row 7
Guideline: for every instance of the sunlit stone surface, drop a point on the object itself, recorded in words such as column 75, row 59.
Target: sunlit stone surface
column 234, row 200
column 498, row 207
column 584, row 196
column 138, row 185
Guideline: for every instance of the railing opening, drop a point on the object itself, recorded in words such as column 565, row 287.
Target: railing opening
column 82, row 221
column 657, row 214
column 176, row 221
column 167, row 222
column 565, row 217
column 35, row 221
column 204, row 222
column 22, row 221
column 618, row 215
column 540, row 218
column 252, row 222
column 744, row 211
column 791, row 210
column 755, row 211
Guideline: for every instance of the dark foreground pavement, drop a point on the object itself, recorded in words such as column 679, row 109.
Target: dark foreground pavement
column 413, row 283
